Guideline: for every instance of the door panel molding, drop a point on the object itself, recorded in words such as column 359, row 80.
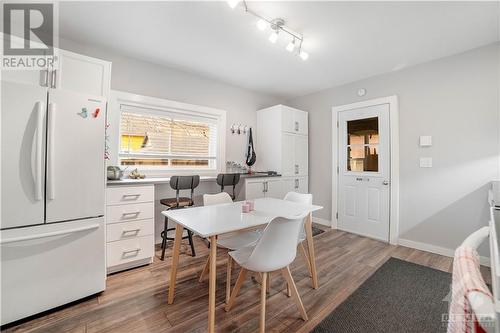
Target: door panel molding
column 393, row 103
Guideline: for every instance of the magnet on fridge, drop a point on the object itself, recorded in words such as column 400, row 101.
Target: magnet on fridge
column 83, row 113
column 96, row 112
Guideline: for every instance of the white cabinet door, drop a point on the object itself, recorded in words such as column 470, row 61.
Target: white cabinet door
column 274, row 189
column 288, row 185
column 287, row 120
column 32, row 77
column 254, row 190
column 22, row 154
column 302, row 185
column 300, row 122
column 288, row 154
column 300, row 155
column 75, row 156
column 82, row 74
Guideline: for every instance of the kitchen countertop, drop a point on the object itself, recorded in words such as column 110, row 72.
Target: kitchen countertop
column 165, row 180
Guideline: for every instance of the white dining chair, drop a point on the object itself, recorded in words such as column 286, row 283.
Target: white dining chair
column 232, row 241
column 275, row 250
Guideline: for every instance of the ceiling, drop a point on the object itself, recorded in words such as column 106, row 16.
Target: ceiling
column 347, row 41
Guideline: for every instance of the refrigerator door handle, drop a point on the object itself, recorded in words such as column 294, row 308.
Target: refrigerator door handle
column 37, row 172
column 51, row 153
column 48, row 234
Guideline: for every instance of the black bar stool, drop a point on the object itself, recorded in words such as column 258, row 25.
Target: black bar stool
column 228, row 179
column 179, row 183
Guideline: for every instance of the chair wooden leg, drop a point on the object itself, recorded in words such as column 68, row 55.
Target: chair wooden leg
column 263, row 296
column 205, row 269
column 268, row 284
column 296, row 297
column 236, row 289
column 306, row 257
column 288, row 290
column 228, row 277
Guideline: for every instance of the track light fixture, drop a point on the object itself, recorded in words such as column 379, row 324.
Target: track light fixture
column 276, row 25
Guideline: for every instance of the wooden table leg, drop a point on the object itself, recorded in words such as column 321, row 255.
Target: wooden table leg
column 175, row 260
column 310, row 246
column 212, row 284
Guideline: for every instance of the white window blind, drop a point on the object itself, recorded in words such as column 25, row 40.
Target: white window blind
column 150, row 137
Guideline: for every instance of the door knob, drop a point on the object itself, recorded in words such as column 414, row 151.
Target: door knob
column 385, row 182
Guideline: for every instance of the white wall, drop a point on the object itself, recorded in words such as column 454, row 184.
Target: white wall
column 139, row 77
column 454, row 99
column 144, row 78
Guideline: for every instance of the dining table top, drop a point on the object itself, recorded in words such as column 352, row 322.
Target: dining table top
column 219, row 219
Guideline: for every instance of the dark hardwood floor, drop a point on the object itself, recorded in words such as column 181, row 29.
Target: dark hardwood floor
column 136, row 300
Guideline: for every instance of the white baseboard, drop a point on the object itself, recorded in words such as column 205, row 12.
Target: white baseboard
column 485, row 261
column 322, row 221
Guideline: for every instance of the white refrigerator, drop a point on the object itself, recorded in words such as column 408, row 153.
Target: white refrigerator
column 52, row 198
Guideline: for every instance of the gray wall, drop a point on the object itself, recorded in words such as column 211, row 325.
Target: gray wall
column 139, row 77
column 455, row 100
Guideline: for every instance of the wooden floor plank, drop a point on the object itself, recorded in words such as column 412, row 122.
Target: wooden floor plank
column 136, row 300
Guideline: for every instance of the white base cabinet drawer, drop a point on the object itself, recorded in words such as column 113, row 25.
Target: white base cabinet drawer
column 130, row 212
column 129, row 230
column 125, row 251
column 118, row 195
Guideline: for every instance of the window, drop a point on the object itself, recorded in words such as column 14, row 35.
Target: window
column 362, row 145
column 165, row 139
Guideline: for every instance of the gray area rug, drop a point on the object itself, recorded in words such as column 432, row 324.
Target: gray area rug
column 399, row 297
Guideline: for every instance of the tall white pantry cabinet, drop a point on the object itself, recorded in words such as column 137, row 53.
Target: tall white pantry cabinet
column 282, row 145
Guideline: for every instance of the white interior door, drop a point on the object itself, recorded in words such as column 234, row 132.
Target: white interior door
column 23, row 154
column 75, row 156
column 364, row 171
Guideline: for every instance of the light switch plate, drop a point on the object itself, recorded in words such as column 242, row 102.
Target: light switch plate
column 426, row 162
column 425, row 141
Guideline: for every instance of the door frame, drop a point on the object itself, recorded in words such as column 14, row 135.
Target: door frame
column 394, row 160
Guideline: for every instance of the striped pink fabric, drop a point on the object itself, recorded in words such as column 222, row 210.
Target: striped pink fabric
column 466, row 278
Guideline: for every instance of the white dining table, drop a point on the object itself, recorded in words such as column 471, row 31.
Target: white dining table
column 211, row 221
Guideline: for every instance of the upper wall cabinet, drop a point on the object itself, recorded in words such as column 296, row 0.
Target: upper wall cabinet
column 83, row 74
column 293, row 120
column 74, row 72
column 282, row 142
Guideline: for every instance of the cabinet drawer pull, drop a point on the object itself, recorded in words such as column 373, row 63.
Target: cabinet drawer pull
column 135, row 214
column 130, row 253
column 296, row 184
column 296, row 169
column 296, row 126
column 134, row 231
column 132, row 196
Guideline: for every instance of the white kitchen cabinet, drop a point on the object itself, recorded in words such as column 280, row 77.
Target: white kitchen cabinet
column 76, row 72
column 274, row 188
column 282, row 141
column 293, row 120
column 37, row 77
column 263, row 188
column 129, row 226
column 72, row 72
column 295, row 184
column 301, row 155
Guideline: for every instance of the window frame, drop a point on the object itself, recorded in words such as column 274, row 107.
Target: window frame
column 159, row 106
